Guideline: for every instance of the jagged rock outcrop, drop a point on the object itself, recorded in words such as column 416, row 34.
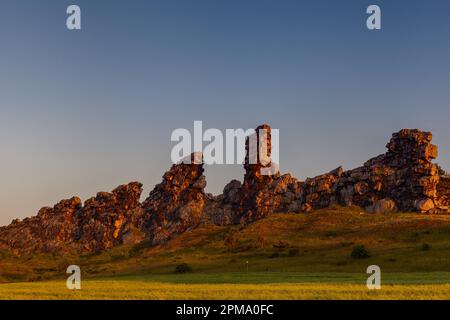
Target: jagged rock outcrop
column 263, row 191
column 224, row 209
column 402, row 179
column 107, row 219
column 49, row 231
column 321, row 191
column 176, row 204
column 443, row 190
column 281, row 194
column 260, row 172
column 101, row 223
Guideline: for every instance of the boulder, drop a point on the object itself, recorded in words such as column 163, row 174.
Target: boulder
column 424, row 205
column 383, row 206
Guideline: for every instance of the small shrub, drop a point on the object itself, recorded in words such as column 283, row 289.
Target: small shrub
column 117, row 257
column 293, row 252
column 360, row 252
column 280, row 245
column 415, row 236
column 137, row 249
column 331, row 234
column 183, row 268
column 391, row 260
column 244, row 247
column 425, row 247
column 274, row 255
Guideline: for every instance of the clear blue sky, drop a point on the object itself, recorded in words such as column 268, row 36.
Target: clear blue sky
column 82, row 112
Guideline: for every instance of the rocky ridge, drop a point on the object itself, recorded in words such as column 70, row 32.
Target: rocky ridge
column 402, row 179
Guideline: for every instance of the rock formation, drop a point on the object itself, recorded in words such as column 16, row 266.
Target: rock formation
column 101, row 223
column 255, row 202
column 176, row 204
column 106, row 220
column 402, row 179
column 443, row 190
column 226, row 208
column 51, row 229
column 321, row 191
column 263, row 191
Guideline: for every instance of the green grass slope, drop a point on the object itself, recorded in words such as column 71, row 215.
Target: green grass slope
column 280, row 246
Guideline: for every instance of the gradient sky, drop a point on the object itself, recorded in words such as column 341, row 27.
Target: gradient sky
column 82, row 112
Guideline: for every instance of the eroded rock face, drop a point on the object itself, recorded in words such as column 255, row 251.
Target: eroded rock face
column 402, row 179
column 260, row 172
column 252, row 199
column 106, row 218
column 46, row 232
column 176, row 204
column 405, row 174
column 224, row 209
column 321, row 191
column 443, row 190
column 100, row 224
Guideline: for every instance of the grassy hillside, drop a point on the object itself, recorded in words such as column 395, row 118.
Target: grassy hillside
column 321, row 241
column 286, row 249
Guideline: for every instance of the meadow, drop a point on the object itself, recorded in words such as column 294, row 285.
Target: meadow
column 286, row 256
column 237, row 287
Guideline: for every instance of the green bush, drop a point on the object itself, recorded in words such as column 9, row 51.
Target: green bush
column 274, row 255
column 183, row 268
column 137, row 249
column 117, row 257
column 391, row 260
column 280, row 245
column 360, row 252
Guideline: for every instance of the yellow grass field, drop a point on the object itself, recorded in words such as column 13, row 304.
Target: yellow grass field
column 137, row 290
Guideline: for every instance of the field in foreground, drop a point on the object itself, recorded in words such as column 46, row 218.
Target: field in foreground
column 285, row 256
column 238, row 287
